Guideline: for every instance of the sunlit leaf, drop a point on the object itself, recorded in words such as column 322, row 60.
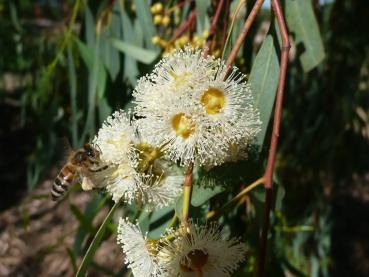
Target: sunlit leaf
column 302, row 24
column 264, row 81
column 143, row 55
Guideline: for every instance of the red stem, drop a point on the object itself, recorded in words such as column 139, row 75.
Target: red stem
column 226, row 21
column 268, row 175
column 185, row 25
column 213, row 26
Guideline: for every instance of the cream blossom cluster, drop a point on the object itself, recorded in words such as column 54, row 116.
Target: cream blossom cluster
column 130, row 175
column 198, row 250
column 191, row 109
column 194, row 110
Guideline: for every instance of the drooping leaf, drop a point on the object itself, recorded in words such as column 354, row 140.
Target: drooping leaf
column 146, row 22
column 264, row 81
column 143, row 55
column 159, row 220
column 95, row 66
column 202, row 19
column 110, row 54
column 302, row 23
column 89, row 27
column 130, row 69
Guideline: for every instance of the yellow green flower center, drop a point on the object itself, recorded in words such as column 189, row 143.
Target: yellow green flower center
column 213, row 100
column 194, row 261
column 180, row 80
column 183, row 125
column 121, row 142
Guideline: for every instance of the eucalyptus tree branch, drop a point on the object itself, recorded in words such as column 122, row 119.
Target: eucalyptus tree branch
column 213, row 26
column 212, row 215
column 268, row 175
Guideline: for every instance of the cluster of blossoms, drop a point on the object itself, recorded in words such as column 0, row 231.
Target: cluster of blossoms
column 190, row 110
column 192, row 251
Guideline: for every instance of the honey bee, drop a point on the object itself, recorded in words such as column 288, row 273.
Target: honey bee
column 82, row 165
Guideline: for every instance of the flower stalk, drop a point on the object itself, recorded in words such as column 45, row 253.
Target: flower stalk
column 187, row 191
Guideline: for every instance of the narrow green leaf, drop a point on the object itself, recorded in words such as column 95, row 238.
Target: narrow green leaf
column 73, row 259
column 83, row 220
column 73, row 96
column 264, row 81
column 92, row 209
column 202, row 20
column 143, row 55
column 87, row 259
column 89, row 27
column 145, row 19
column 301, row 21
column 130, row 69
column 159, row 221
column 110, row 54
column 97, row 71
column 87, row 54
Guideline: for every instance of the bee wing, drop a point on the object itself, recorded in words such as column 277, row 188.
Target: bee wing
column 87, row 184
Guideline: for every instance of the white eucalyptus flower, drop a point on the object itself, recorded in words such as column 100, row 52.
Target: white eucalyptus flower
column 184, row 69
column 193, row 111
column 184, row 135
column 115, row 138
column 228, row 105
column 139, row 252
column 200, row 251
column 150, row 189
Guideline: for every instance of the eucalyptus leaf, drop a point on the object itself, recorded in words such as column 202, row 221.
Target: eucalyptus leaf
column 195, row 212
column 130, row 70
column 146, row 22
column 264, row 81
column 159, row 220
column 143, row 55
column 89, row 27
column 202, row 20
column 302, row 23
column 201, row 194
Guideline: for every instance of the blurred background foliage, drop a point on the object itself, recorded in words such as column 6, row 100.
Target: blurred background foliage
column 66, row 65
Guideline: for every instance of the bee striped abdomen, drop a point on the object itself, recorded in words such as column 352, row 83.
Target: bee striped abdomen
column 65, row 178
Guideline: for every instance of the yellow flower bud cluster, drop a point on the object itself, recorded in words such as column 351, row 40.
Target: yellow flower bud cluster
column 159, row 17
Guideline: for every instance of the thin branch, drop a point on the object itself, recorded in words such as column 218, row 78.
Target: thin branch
column 226, row 23
column 184, row 26
column 215, row 214
column 268, row 175
column 246, row 27
column 213, row 26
